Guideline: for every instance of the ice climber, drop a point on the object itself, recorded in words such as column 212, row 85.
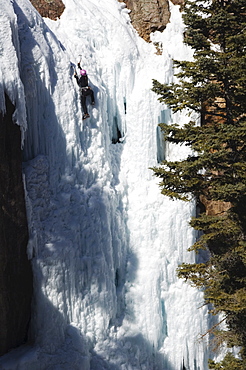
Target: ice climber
column 85, row 90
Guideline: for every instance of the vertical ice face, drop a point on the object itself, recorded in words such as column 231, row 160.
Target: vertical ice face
column 104, row 243
column 10, row 81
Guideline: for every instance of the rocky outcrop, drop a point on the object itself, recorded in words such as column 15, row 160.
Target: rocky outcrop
column 178, row 2
column 149, row 15
column 52, row 9
column 15, row 269
column 215, row 207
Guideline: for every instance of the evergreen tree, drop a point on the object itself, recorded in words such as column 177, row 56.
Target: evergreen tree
column 213, row 85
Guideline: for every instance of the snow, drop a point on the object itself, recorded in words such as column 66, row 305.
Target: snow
column 104, row 243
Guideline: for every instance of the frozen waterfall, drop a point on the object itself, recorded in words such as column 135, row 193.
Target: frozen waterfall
column 104, row 243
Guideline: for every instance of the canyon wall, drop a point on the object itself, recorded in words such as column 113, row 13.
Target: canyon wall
column 15, row 269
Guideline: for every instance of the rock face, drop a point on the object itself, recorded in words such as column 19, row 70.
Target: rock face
column 15, row 269
column 149, row 15
column 178, row 2
column 49, row 8
column 215, row 208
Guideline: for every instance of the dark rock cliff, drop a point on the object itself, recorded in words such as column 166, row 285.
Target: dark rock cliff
column 15, row 269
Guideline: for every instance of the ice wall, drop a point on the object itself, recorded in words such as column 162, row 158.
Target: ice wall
column 10, row 81
column 104, row 243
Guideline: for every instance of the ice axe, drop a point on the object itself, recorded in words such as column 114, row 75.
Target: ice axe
column 80, row 55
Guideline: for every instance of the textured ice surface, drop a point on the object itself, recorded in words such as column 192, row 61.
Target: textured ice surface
column 104, row 243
